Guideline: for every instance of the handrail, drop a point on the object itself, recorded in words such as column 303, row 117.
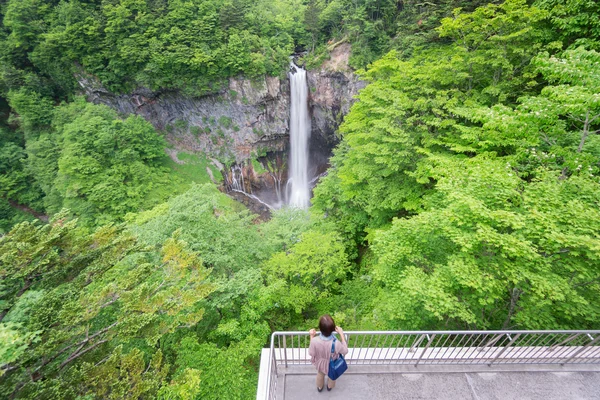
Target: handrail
column 305, row 333
column 499, row 347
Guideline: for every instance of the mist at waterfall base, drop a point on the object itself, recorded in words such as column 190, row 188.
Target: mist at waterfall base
column 299, row 168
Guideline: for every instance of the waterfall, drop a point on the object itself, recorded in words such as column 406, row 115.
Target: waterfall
column 299, row 135
column 277, row 183
column 298, row 186
column 238, row 185
column 237, row 179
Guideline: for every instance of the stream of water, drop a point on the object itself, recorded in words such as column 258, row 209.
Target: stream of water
column 298, row 183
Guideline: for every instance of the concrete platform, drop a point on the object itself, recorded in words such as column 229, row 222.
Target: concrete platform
column 448, row 385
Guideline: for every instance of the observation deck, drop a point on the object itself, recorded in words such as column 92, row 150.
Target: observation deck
column 447, row 365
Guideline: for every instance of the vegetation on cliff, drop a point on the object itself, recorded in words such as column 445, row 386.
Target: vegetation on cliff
column 188, row 45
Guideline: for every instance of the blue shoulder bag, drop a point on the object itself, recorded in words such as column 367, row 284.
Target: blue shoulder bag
column 336, row 367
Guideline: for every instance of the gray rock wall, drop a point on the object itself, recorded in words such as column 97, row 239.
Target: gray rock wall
column 247, row 117
column 331, row 95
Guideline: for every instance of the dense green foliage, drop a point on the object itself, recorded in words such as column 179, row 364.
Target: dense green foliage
column 576, row 21
column 195, row 45
column 134, row 311
column 465, row 192
column 189, row 45
column 375, row 27
column 478, row 192
column 83, row 157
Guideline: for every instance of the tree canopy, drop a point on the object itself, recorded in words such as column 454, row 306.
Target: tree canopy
column 475, row 188
column 464, row 192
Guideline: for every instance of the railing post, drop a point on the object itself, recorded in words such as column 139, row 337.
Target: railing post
column 417, row 343
column 567, row 340
column 505, row 347
column 284, row 351
column 581, row 349
column 492, row 341
column 426, row 347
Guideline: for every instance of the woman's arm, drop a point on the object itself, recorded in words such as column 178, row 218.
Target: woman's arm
column 312, row 334
column 343, row 345
column 340, row 332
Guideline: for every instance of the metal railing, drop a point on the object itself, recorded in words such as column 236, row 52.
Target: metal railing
column 442, row 348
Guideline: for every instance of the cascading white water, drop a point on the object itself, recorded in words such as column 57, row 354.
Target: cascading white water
column 299, row 196
column 238, row 185
column 237, row 179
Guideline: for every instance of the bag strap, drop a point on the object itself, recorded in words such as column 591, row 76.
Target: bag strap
column 332, row 348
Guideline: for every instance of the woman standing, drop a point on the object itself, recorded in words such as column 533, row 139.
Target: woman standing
column 320, row 349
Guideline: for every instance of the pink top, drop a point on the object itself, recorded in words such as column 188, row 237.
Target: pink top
column 320, row 350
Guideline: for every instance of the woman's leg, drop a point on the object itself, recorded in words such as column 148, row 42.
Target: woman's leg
column 330, row 383
column 320, row 380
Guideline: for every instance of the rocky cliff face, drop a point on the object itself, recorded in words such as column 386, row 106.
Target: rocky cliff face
column 246, row 120
column 332, row 91
column 247, row 117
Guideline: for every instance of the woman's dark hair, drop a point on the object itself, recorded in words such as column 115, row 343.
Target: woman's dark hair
column 326, row 325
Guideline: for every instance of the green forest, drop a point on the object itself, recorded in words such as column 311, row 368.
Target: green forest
column 464, row 192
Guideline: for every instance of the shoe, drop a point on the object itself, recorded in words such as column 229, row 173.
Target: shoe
column 329, row 389
column 321, row 389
